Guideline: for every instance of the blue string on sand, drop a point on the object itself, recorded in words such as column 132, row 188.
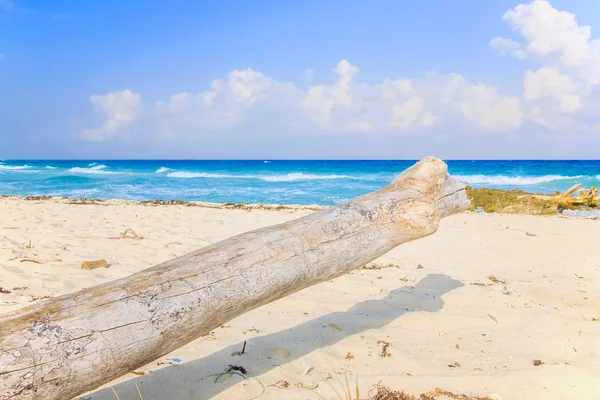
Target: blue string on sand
column 227, row 374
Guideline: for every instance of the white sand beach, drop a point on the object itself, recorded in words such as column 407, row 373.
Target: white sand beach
column 467, row 309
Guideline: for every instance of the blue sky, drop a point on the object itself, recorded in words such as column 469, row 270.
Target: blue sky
column 310, row 79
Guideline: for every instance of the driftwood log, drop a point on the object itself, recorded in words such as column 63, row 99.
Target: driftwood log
column 69, row 345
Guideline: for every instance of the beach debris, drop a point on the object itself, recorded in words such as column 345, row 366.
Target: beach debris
column 253, row 329
column 138, row 373
column 223, row 205
column 89, row 265
column 377, row 266
column 590, row 318
column 175, row 359
column 455, row 364
column 37, row 198
column 281, row 384
column 164, row 203
column 494, row 396
column 420, row 266
column 335, row 326
column 384, row 349
column 36, row 298
column 496, row 280
column 239, row 353
column 128, row 234
column 4, row 291
column 208, row 337
column 509, row 202
column 566, row 199
column 457, row 347
column 167, row 363
column 301, row 385
column 537, row 363
column 232, row 370
column 30, row 260
column 530, row 234
column 349, row 356
column 493, row 279
column 308, row 370
column 493, row 318
column 380, row 392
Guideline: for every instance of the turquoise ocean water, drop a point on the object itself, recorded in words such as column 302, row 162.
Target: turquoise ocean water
column 267, row 181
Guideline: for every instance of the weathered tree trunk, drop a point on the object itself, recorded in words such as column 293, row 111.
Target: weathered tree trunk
column 71, row 344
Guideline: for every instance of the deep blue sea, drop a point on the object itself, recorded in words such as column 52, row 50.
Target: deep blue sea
column 265, row 181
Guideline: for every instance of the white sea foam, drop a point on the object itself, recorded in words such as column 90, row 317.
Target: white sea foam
column 162, row 169
column 294, row 176
column 14, row 167
column 299, row 176
column 98, row 169
column 501, row 180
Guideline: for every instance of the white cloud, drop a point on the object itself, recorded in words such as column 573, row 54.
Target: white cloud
column 559, row 95
column 550, row 83
column 506, row 46
column 250, row 100
column 484, row 106
column 120, row 108
column 553, row 37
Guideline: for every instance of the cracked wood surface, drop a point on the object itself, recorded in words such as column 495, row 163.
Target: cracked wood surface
column 71, row 344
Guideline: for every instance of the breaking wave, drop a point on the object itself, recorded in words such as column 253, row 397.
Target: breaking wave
column 294, row 176
column 97, row 169
column 502, row 180
column 14, row 167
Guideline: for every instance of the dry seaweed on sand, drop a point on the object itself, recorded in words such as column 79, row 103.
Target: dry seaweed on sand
column 128, row 234
column 384, row 349
column 37, row 198
column 30, row 260
column 385, row 393
column 509, row 202
column 521, row 202
column 374, row 266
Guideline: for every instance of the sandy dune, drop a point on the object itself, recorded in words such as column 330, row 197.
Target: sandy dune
column 448, row 324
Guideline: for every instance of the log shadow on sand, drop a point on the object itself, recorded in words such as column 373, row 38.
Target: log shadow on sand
column 191, row 380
